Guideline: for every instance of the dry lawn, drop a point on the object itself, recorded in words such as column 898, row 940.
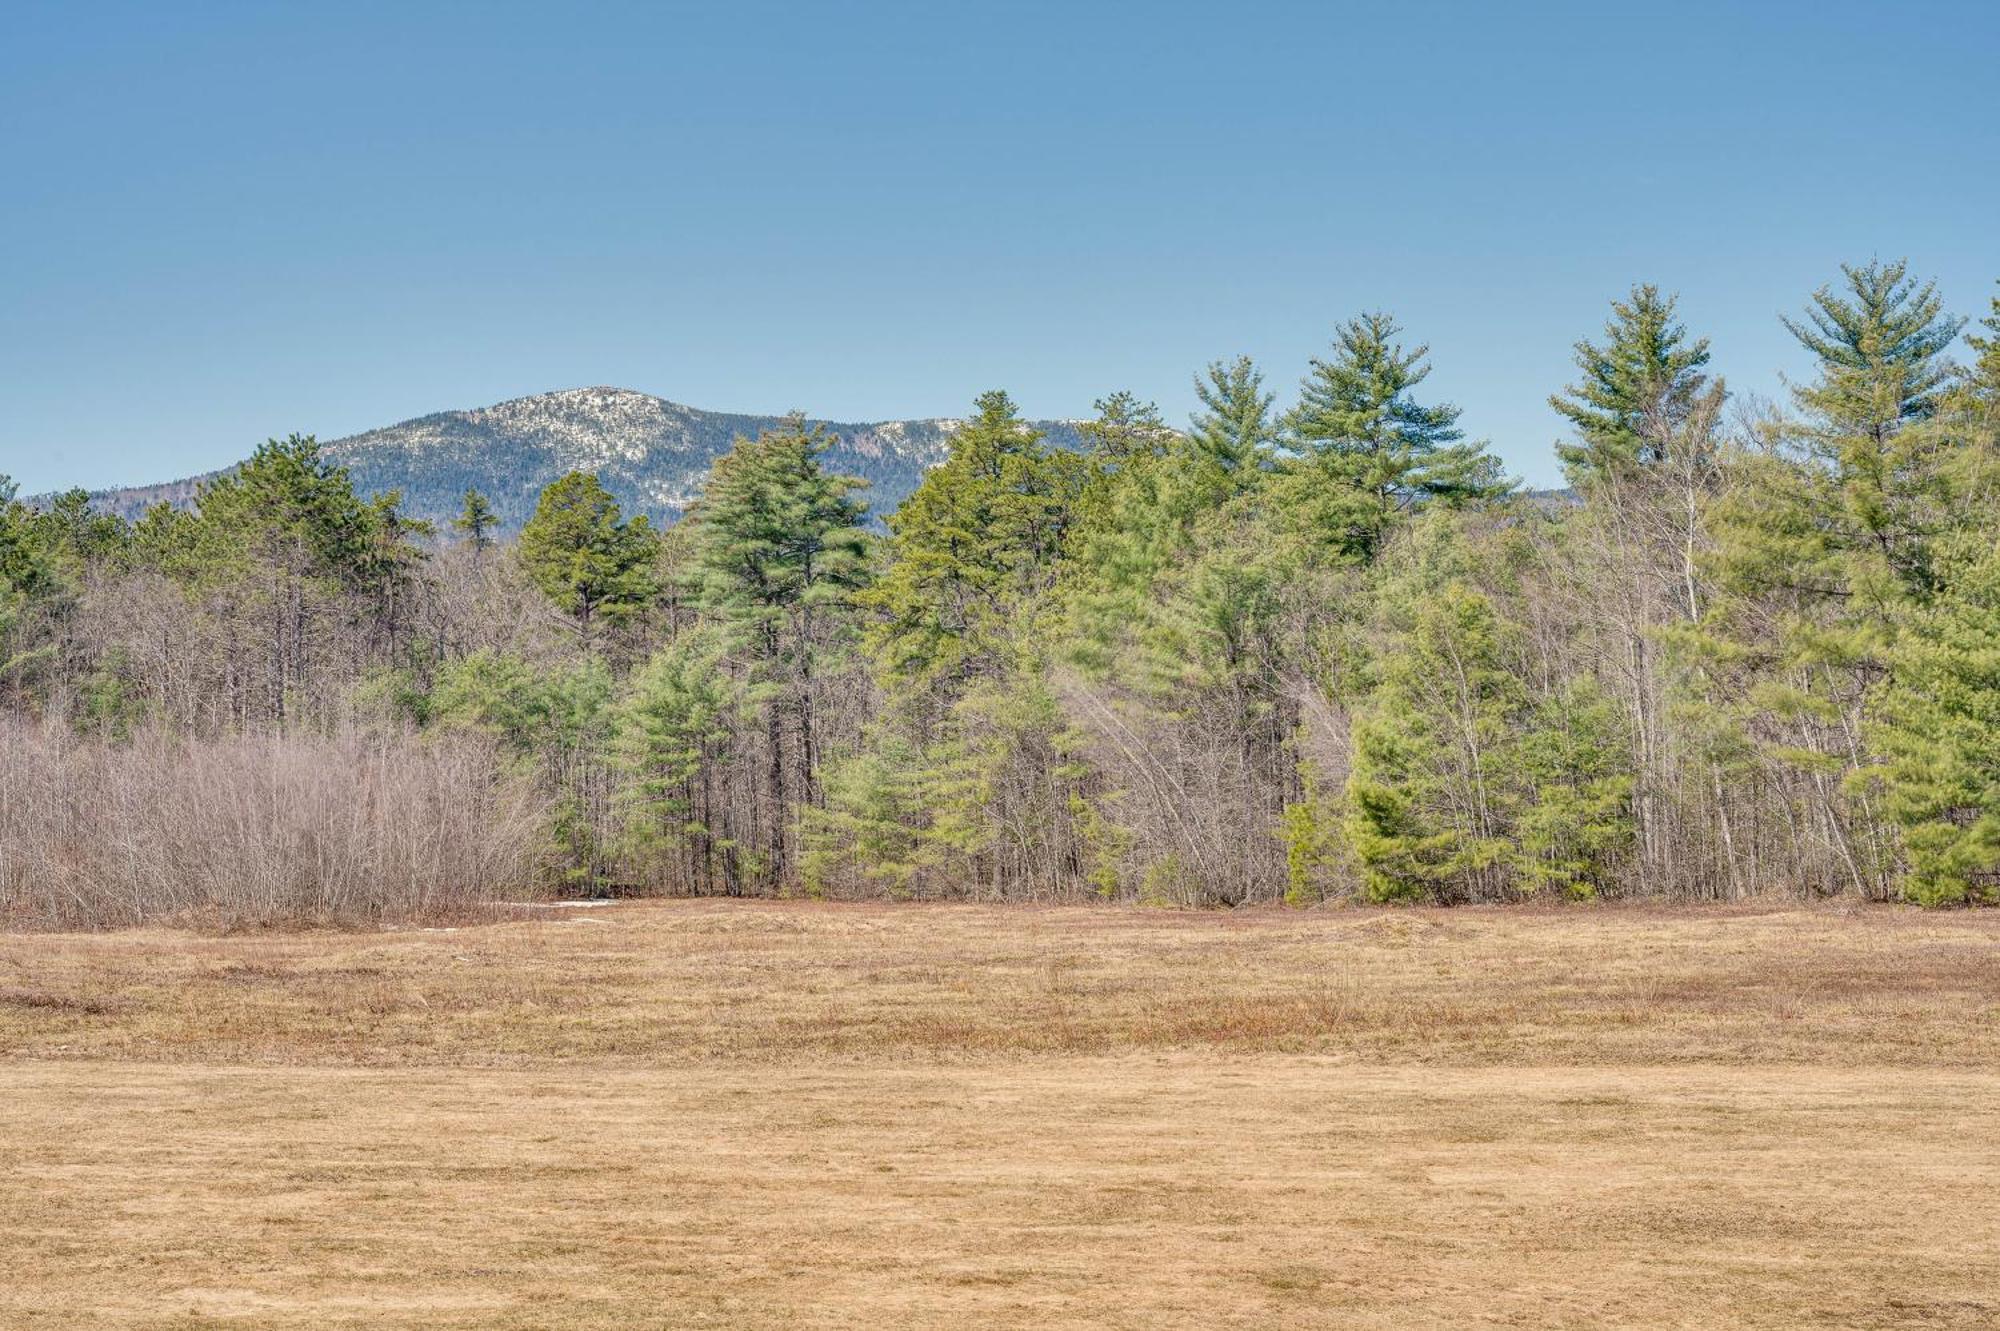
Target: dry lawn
column 669, row 1115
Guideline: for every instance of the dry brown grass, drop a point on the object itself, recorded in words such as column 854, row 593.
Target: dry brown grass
column 759, row 1115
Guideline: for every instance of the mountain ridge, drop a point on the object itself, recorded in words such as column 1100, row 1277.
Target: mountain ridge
column 650, row 452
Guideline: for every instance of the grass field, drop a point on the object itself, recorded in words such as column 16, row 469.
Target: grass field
column 702, row 1114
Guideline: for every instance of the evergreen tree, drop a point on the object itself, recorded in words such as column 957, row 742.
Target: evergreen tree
column 870, row 828
column 583, row 555
column 1428, row 794
column 24, row 574
column 556, row 723
column 291, row 505
column 1575, row 829
column 1826, row 540
column 1935, row 725
column 24, row 565
column 1638, row 390
column 978, row 540
column 476, row 521
column 779, row 545
column 776, row 536
column 1883, row 481
column 1233, row 430
column 1982, row 378
column 286, row 551
column 1370, row 451
column 1880, row 348
column 78, row 536
column 1126, row 430
column 672, row 732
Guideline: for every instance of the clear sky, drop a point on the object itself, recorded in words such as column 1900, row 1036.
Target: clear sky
column 222, row 222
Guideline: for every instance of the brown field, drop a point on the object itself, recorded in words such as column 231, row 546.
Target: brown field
column 701, row 1114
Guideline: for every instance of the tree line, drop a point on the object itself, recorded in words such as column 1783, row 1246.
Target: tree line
column 1316, row 652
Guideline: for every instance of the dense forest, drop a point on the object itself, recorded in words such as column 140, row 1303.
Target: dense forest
column 1300, row 652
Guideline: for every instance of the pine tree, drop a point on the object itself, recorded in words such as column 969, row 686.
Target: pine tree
column 870, row 829
column 1371, row 453
column 284, row 548
column 1233, row 430
column 1880, row 349
column 291, row 504
column 1934, row 724
column 79, row 537
column 24, row 564
column 1934, row 719
column 673, row 729
column 555, row 723
column 583, row 555
column 1638, row 391
column 775, row 536
column 24, row 574
column 1882, row 376
column 779, row 547
column 1428, row 795
column 1575, row 830
column 476, row 521
column 1826, row 540
column 1982, row 377
column 1126, row 430
column 978, row 540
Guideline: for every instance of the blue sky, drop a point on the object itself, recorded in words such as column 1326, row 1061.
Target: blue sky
column 226, row 222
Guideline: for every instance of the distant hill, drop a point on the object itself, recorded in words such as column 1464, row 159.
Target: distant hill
column 649, row 452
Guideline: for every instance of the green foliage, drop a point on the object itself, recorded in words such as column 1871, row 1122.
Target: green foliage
column 1982, row 378
column 1465, row 783
column 978, row 541
column 777, row 548
column 583, row 555
column 77, row 537
column 987, row 805
column 1103, row 846
column 529, row 709
column 991, row 787
column 1829, row 539
column 1883, row 473
column 1125, row 431
column 25, row 572
column 1305, row 654
column 1935, row 726
column 1576, row 827
column 673, row 720
column 1368, row 452
column 870, row 827
column 292, row 508
column 556, row 723
column 1637, row 391
column 1135, row 531
column 1880, row 348
column 1310, row 829
column 106, row 705
column 169, row 540
column 1234, row 430
column 776, row 538
column 1425, row 796
column 476, row 521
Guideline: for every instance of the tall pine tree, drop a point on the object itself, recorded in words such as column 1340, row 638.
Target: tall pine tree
column 1369, row 452
column 978, row 540
column 778, row 547
column 595, row 566
column 1638, row 391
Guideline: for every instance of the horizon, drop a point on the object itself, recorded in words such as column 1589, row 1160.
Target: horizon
column 330, row 223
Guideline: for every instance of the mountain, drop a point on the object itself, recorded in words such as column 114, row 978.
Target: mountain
column 649, row 452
